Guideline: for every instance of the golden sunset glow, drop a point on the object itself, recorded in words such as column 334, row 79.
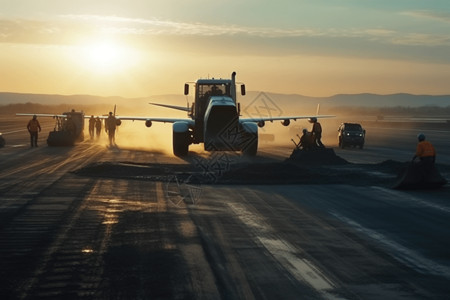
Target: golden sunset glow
column 146, row 48
column 104, row 56
column 107, row 57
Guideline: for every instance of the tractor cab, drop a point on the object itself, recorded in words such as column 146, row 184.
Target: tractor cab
column 204, row 90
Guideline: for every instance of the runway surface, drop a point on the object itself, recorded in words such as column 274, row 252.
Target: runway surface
column 99, row 222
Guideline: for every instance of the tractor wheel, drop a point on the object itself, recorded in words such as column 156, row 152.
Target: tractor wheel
column 252, row 147
column 180, row 143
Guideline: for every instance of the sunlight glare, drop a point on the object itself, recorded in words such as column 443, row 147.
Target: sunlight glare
column 107, row 57
column 104, row 54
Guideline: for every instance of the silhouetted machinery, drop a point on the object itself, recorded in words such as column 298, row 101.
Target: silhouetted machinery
column 69, row 129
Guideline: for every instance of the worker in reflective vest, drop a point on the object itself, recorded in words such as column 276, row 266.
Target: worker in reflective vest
column 33, row 128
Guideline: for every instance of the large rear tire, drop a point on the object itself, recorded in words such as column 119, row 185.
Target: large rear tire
column 251, row 147
column 180, row 143
column 249, row 138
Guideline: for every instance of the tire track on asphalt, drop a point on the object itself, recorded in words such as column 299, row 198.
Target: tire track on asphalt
column 349, row 254
column 217, row 250
column 21, row 189
column 75, row 262
column 36, row 205
column 48, row 165
column 200, row 273
column 291, row 258
column 248, row 257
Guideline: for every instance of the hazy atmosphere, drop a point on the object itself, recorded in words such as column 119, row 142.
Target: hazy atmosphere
column 308, row 156
column 138, row 48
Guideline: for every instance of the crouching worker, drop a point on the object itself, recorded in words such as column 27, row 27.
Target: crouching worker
column 306, row 140
column 422, row 173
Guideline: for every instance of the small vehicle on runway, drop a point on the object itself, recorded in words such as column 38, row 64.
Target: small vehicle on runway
column 69, row 128
column 351, row 134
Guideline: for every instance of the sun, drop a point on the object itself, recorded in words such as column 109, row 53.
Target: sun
column 104, row 54
column 107, row 57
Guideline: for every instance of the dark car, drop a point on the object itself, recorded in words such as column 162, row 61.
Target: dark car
column 351, row 134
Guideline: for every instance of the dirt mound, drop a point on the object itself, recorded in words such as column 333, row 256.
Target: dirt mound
column 320, row 156
column 287, row 172
column 412, row 176
column 303, row 167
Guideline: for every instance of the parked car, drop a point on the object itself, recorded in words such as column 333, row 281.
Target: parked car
column 351, row 134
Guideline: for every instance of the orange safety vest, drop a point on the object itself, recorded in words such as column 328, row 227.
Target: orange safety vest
column 33, row 125
column 425, row 149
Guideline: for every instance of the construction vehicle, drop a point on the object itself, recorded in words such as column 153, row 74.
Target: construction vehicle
column 215, row 119
column 69, row 128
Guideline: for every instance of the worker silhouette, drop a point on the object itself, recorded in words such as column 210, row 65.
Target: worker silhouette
column 426, row 154
column 306, row 140
column 316, row 133
column 91, row 126
column 34, row 127
column 98, row 126
column 110, row 128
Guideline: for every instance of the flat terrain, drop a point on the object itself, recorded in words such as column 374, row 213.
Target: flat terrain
column 130, row 222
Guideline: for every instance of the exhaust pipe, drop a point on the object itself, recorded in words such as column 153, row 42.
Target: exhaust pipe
column 233, row 86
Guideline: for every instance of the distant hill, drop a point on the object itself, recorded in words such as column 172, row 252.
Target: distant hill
column 47, row 99
column 364, row 100
column 361, row 100
column 286, row 103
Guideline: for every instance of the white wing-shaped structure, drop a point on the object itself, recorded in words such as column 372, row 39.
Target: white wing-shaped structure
column 214, row 119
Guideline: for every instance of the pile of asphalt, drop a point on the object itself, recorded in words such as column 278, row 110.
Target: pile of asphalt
column 301, row 168
column 320, row 156
column 293, row 172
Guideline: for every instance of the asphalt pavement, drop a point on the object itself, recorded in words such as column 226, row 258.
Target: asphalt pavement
column 126, row 222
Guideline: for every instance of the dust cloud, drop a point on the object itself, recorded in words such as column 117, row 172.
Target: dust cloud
column 277, row 134
column 136, row 136
column 375, row 130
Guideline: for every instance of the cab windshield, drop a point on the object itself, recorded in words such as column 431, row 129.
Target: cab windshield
column 205, row 91
column 208, row 90
column 353, row 127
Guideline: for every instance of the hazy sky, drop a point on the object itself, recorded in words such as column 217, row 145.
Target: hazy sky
column 135, row 48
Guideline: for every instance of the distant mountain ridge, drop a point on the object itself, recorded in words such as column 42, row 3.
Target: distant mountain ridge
column 282, row 100
column 53, row 99
column 363, row 100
